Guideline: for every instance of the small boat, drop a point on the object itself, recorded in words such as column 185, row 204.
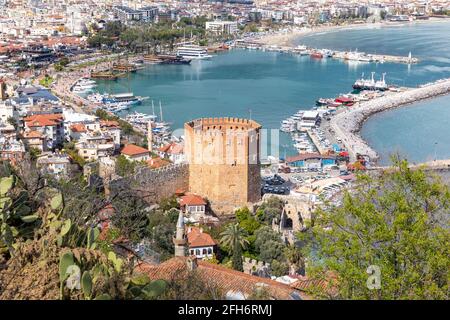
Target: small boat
column 140, row 118
column 323, row 101
column 317, row 55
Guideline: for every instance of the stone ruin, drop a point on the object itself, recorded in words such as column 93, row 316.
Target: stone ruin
column 256, row 268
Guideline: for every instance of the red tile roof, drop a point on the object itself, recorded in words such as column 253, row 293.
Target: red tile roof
column 309, row 285
column 225, row 279
column 109, row 123
column 198, row 238
column 172, row 148
column 32, row 134
column 157, row 162
column 42, row 120
column 192, row 200
column 78, row 127
column 133, row 150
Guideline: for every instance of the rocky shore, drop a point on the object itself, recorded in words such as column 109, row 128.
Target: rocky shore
column 347, row 124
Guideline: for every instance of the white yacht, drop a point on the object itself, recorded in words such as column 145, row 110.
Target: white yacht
column 141, row 118
column 193, row 52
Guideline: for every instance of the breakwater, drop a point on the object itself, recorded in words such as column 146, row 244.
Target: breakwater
column 324, row 53
column 347, row 124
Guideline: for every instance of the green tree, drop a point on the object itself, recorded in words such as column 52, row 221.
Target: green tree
column 233, row 237
column 58, row 67
column 12, row 121
column 169, row 203
column 269, row 209
column 247, row 221
column 295, row 258
column 34, row 153
column 397, row 222
column 125, row 167
column 269, row 245
column 279, row 268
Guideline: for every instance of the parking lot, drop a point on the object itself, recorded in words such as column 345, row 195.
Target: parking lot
column 275, row 184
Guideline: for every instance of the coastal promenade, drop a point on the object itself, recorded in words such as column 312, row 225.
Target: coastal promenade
column 347, row 124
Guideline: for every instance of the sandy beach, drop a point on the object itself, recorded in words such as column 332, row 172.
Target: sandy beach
column 287, row 37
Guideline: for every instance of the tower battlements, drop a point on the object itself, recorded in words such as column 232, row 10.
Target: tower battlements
column 223, row 124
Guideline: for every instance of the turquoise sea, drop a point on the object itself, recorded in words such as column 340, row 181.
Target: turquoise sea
column 270, row 86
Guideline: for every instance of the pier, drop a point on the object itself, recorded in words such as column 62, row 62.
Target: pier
column 324, row 53
column 348, row 123
column 316, row 143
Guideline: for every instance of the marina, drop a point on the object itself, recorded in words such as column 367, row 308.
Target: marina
column 298, row 86
column 317, row 53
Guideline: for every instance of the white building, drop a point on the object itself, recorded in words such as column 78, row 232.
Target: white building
column 222, row 27
column 201, row 244
column 7, row 110
column 54, row 164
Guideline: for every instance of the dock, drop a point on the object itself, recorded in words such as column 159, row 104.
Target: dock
column 326, row 53
column 316, row 143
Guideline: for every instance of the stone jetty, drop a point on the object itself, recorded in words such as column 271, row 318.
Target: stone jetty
column 347, row 124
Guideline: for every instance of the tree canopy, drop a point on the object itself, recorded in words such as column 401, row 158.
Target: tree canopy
column 388, row 240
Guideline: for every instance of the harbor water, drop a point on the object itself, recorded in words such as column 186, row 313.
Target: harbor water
column 270, row 86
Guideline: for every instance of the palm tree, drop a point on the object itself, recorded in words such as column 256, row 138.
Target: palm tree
column 233, row 238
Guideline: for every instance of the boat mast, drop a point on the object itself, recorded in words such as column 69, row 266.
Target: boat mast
column 153, row 108
column 160, row 110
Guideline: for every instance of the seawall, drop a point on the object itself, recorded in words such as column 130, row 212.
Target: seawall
column 347, row 124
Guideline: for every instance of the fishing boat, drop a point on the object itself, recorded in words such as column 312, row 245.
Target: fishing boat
column 364, row 84
column 316, row 55
column 323, row 101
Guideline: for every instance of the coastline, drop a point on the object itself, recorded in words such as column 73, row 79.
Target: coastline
column 347, row 125
column 288, row 37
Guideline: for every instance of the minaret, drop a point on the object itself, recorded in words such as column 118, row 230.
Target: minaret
column 2, row 90
column 150, row 136
column 180, row 239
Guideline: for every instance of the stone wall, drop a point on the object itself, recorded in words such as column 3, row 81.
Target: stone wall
column 154, row 185
column 256, row 267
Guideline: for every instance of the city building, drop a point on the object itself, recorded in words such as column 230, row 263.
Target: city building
column 192, row 204
column 57, row 164
column 135, row 153
column 128, row 15
column 49, row 125
column 200, row 244
column 222, row 27
column 311, row 160
column 173, row 151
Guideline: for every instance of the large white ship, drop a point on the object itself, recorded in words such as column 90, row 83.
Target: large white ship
column 193, row 52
